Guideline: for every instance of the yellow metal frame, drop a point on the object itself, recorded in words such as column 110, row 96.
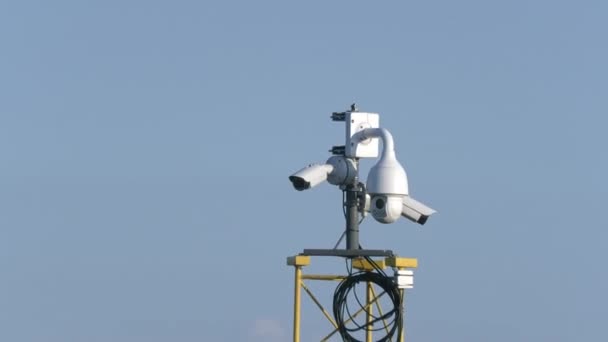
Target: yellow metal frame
column 300, row 261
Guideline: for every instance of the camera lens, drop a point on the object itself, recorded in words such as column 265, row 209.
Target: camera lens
column 379, row 203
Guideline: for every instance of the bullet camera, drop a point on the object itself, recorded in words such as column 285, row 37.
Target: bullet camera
column 310, row 176
column 337, row 170
column 415, row 210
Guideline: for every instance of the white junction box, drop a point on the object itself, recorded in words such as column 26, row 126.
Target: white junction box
column 404, row 279
column 355, row 122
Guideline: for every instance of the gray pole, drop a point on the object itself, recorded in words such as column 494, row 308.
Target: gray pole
column 352, row 217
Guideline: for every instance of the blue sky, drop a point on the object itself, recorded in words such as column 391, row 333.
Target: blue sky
column 145, row 148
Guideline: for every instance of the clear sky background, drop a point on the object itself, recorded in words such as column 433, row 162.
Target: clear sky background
column 145, row 148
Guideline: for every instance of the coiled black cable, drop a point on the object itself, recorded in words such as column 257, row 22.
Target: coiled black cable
column 342, row 313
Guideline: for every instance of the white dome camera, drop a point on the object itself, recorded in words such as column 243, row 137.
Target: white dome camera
column 388, row 194
column 386, row 183
column 386, row 208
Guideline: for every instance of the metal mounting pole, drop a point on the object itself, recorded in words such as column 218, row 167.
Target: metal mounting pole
column 296, row 303
column 402, row 337
column 352, row 217
column 369, row 316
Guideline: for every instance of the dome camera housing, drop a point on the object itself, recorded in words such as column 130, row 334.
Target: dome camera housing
column 386, row 208
column 387, row 184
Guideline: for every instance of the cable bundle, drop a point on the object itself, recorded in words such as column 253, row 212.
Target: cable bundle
column 342, row 313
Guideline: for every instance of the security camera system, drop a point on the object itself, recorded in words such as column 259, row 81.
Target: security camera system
column 387, row 185
column 386, row 196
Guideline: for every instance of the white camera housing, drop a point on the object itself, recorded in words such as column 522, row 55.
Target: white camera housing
column 386, row 181
column 337, row 171
column 387, row 187
column 356, row 122
column 415, row 210
column 310, row 176
column 386, row 208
